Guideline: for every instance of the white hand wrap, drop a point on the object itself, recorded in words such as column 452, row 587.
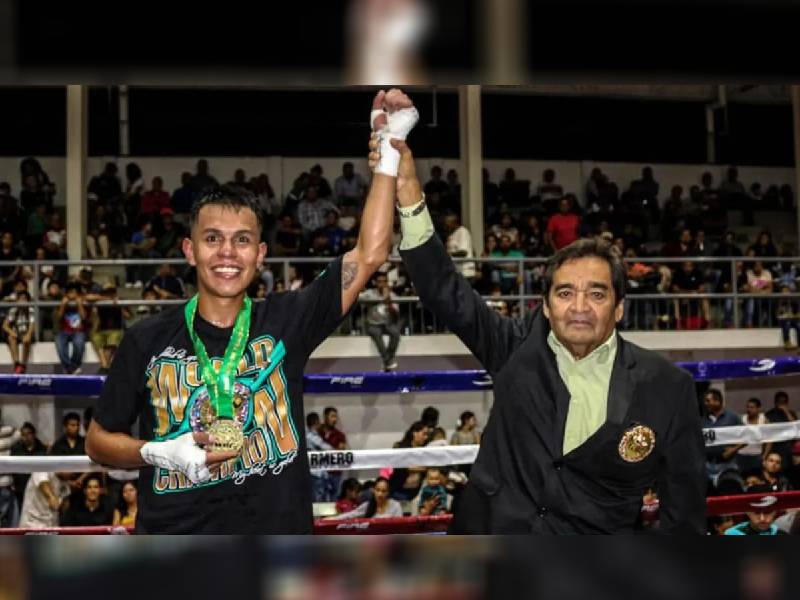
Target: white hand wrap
column 399, row 124
column 180, row 454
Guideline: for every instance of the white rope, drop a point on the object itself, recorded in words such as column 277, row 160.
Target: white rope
column 345, row 460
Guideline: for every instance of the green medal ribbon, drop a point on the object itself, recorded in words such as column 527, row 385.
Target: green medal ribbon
column 220, row 385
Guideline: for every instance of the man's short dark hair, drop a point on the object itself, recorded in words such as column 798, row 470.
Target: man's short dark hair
column 430, row 416
column 755, row 401
column 716, row 393
column 71, row 416
column 781, row 397
column 95, row 477
column 328, row 410
column 227, row 197
column 74, row 285
column 312, row 419
column 589, row 248
column 28, row 425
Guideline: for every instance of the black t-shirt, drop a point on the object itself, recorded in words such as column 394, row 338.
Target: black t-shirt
column 80, row 515
column 109, row 318
column 155, row 378
column 61, row 447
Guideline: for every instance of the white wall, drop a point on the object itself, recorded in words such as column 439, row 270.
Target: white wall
column 282, row 171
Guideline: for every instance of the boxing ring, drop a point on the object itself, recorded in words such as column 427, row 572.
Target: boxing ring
column 403, row 383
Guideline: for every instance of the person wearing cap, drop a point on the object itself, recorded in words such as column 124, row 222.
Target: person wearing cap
column 761, row 515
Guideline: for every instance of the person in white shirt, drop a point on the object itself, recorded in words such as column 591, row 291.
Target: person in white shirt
column 380, row 506
column 44, row 495
column 459, row 245
column 759, row 281
column 349, row 189
column 383, row 316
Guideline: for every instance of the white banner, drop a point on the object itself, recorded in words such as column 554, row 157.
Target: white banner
column 752, row 434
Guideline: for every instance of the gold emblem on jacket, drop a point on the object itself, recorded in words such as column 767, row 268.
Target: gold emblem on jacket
column 637, row 443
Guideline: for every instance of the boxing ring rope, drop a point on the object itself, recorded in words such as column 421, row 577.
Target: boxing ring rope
column 404, row 382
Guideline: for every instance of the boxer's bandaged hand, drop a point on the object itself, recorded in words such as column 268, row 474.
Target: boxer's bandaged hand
column 179, row 454
column 388, row 125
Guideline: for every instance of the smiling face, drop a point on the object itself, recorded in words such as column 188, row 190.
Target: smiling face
column 225, row 248
column 581, row 306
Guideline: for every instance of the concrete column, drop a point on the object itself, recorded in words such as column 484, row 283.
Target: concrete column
column 504, row 41
column 77, row 145
column 471, row 148
column 124, row 132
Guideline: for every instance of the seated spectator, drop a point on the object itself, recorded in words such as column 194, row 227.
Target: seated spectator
column 146, row 310
column 683, row 246
column 506, row 275
column 380, row 505
column 320, row 480
column 491, row 193
column 127, row 507
column 90, row 289
column 719, row 459
column 270, row 203
column 435, row 188
column 97, row 240
column 759, row 281
column 772, row 472
column 312, row 210
column 433, row 498
column 44, row 496
column 786, row 197
column 28, row 445
column 134, row 190
column 9, row 510
column 430, row 417
column 143, row 245
column 348, row 498
column 169, row 236
column 55, row 239
column 515, row 192
column 93, row 510
column 383, row 318
column 155, row 200
column 19, row 327
column 349, row 189
column 106, row 187
column 532, row 237
column 549, row 191
column 506, row 227
column 674, row 213
column 109, row 322
column 459, row 245
column 239, row 182
column 11, row 216
column 288, row 237
column 71, row 317
column 35, row 227
column 335, row 235
column 788, row 318
column 466, row 432
column 690, row 314
column 202, row 181
column 760, row 517
column 451, row 198
column 731, row 191
column 315, row 179
column 405, row 483
column 166, row 284
column 33, row 194
column 645, row 189
column 183, row 200
column 9, row 274
column 563, row 228
column 765, row 247
column 487, row 276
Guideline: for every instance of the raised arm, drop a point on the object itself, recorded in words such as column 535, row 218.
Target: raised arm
column 393, row 116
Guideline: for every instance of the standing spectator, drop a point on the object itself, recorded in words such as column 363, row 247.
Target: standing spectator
column 9, row 510
column 155, row 200
column 202, row 181
column 71, row 339
column 97, row 237
column 466, row 432
column 382, row 318
column 506, row 275
column 379, row 506
column 759, row 281
column 731, row 191
column 36, row 225
column 320, row 480
column 288, row 237
column 32, row 195
column 44, row 495
column 109, row 323
column 749, row 456
column 28, row 445
column 348, row 498
column 719, row 459
column 405, row 483
column 674, row 213
column 563, row 228
column 11, row 216
column 10, row 274
column 19, row 327
column 316, row 180
column 170, row 234
column 349, row 189
column 491, row 193
column 337, row 440
column 506, row 227
column 166, row 284
column 127, row 507
column 435, row 187
column 332, row 232
column 312, row 209
column 781, row 413
column 239, row 182
column 451, row 199
column 31, row 167
column 183, row 199
column 459, row 245
column 55, row 239
column 549, row 192
column 689, row 280
column 143, row 245
column 106, row 187
column 134, row 189
column 93, row 510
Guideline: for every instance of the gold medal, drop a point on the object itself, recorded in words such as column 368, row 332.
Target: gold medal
column 637, row 443
column 228, row 436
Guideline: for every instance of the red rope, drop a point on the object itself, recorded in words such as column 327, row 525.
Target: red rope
column 740, row 504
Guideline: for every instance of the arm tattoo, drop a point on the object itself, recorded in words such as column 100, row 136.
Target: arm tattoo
column 349, row 272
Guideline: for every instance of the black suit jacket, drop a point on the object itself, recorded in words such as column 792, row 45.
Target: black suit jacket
column 521, row 481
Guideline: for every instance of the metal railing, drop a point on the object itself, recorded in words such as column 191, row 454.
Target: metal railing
column 519, row 279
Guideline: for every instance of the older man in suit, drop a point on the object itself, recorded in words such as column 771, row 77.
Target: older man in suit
column 583, row 421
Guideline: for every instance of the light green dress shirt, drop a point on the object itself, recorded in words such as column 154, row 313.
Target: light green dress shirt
column 587, row 381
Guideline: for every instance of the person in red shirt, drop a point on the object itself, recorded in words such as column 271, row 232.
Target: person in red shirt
column 338, row 441
column 155, row 200
column 348, row 498
column 562, row 229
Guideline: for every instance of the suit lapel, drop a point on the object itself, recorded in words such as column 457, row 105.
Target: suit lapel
column 621, row 388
